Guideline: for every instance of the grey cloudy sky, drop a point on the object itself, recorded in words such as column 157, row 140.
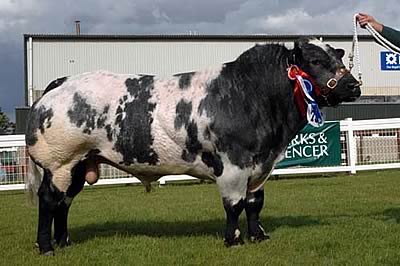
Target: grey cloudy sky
column 168, row 17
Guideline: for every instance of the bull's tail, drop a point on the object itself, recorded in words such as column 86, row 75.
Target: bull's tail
column 33, row 179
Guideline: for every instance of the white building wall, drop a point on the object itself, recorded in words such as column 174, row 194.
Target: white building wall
column 61, row 58
column 54, row 58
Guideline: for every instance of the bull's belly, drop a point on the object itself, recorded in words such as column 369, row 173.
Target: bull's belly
column 168, row 150
column 154, row 172
column 168, row 164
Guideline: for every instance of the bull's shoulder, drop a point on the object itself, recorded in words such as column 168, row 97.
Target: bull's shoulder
column 197, row 78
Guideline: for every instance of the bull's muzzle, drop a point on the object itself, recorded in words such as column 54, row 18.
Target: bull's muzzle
column 355, row 88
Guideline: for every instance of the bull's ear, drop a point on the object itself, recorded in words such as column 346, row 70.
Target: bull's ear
column 301, row 41
column 296, row 46
column 339, row 53
column 297, row 53
column 299, row 45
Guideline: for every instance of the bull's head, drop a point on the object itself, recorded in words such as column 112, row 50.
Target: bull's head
column 324, row 64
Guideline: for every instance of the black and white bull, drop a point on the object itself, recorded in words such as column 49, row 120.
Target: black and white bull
column 229, row 124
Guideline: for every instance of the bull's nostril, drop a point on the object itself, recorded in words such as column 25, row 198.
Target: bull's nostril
column 357, row 91
column 353, row 85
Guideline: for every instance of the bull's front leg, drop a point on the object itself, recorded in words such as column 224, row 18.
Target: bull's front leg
column 253, row 206
column 233, row 186
column 232, row 230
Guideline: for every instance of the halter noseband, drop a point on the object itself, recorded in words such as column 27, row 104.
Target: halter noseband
column 332, row 82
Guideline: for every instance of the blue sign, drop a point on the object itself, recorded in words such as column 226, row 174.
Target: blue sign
column 390, row 61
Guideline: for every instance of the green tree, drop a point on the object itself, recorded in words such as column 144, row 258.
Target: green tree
column 5, row 123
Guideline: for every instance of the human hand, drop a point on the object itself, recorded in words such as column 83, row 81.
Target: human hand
column 364, row 19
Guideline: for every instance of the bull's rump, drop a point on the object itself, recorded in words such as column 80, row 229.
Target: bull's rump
column 135, row 122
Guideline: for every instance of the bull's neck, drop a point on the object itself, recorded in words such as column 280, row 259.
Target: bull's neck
column 275, row 92
column 274, row 95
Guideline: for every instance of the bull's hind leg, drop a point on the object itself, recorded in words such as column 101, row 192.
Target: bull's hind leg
column 61, row 235
column 49, row 197
column 52, row 194
column 253, row 206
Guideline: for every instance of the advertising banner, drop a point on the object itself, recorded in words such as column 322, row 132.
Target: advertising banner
column 314, row 147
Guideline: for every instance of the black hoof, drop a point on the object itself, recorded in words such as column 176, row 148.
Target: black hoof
column 45, row 250
column 233, row 242
column 48, row 253
column 236, row 240
column 64, row 242
column 258, row 238
column 53, row 242
column 257, row 234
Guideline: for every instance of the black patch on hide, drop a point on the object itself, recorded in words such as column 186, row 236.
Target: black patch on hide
column 37, row 118
column 185, row 80
column 109, row 132
column 183, row 112
column 92, row 153
column 103, row 117
column 82, row 114
column 213, row 160
column 54, row 84
column 193, row 145
column 134, row 140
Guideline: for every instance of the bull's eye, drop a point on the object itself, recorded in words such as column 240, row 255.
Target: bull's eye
column 316, row 62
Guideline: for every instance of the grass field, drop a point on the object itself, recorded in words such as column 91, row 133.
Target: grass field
column 341, row 220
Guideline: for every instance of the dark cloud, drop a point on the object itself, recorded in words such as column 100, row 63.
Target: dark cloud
column 194, row 11
column 11, row 78
column 168, row 17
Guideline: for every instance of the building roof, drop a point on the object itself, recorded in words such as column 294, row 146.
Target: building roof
column 189, row 37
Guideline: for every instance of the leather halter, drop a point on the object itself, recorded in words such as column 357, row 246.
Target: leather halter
column 332, row 82
column 325, row 91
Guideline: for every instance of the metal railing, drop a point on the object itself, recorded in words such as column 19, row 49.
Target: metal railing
column 365, row 145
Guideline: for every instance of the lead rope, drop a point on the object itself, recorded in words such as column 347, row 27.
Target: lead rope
column 382, row 41
column 355, row 48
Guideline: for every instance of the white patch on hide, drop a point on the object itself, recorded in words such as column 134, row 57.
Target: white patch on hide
column 232, row 183
column 237, row 233
column 319, row 43
column 169, row 143
column 252, row 200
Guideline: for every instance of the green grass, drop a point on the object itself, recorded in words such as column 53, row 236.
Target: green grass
column 342, row 220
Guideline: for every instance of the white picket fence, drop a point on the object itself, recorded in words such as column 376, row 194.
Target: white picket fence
column 365, row 145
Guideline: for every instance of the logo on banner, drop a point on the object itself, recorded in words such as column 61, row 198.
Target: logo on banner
column 390, row 61
column 307, row 145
